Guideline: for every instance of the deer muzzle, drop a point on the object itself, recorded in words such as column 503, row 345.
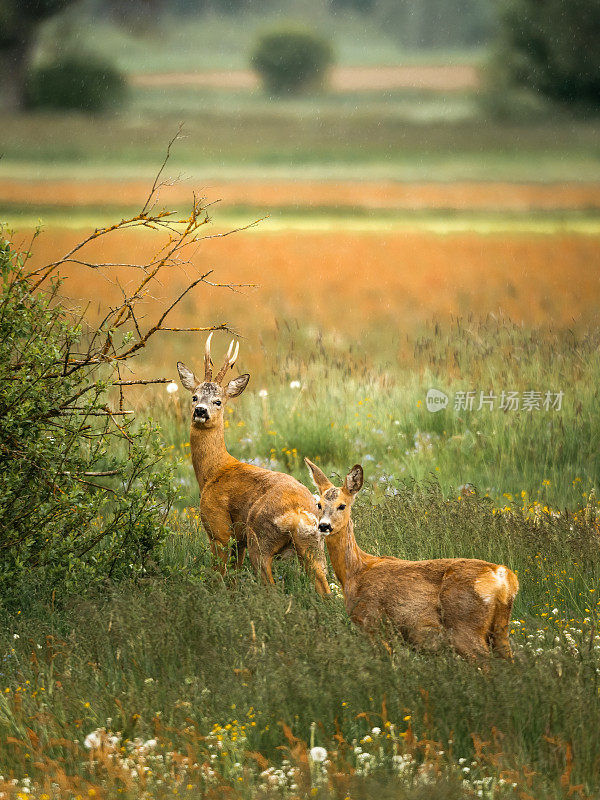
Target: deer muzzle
column 201, row 413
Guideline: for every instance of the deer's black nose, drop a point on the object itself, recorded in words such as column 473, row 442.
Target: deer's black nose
column 324, row 527
column 201, row 412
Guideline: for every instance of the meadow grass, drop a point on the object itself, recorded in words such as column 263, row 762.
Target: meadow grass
column 369, row 405
column 355, row 143
column 211, row 684
column 189, row 684
column 192, row 684
column 327, row 219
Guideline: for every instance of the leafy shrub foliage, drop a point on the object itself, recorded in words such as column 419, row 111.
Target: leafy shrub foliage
column 291, row 59
column 76, row 83
column 83, row 490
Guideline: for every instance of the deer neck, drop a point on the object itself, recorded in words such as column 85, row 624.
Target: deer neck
column 347, row 559
column 209, row 454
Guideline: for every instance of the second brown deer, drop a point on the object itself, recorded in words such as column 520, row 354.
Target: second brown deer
column 463, row 602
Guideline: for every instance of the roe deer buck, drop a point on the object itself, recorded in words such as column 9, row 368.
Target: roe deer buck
column 460, row 601
column 264, row 511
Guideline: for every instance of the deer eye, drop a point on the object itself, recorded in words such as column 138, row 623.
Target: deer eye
column 194, row 398
column 341, row 507
column 319, row 506
column 217, row 402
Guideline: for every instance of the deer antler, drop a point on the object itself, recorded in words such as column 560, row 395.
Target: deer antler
column 229, row 360
column 207, row 360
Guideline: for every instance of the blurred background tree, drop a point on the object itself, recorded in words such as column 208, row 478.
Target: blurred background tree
column 553, row 48
column 291, row 59
column 76, row 81
column 19, row 24
column 547, row 46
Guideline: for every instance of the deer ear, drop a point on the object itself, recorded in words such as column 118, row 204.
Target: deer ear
column 188, row 379
column 237, row 385
column 354, row 479
column 320, row 480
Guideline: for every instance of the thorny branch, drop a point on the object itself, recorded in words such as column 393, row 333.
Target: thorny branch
column 88, row 364
column 120, row 335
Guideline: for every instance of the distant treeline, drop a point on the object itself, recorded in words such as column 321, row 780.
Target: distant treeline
column 415, row 24
column 433, row 23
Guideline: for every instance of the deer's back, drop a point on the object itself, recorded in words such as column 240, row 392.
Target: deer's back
column 248, row 492
column 407, row 591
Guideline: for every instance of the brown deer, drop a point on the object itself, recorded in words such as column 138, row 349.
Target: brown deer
column 463, row 602
column 264, row 512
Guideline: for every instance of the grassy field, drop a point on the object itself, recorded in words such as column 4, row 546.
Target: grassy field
column 329, row 402
column 286, row 141
column 414, row 240
column 192, row 685
column 189, row 684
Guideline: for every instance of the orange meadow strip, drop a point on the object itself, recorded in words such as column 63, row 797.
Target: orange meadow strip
column 350, row 282
column 311, row 194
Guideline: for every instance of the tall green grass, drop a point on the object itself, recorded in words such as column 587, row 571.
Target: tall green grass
column 174, row 656
column 241, row 678
column 341, row 408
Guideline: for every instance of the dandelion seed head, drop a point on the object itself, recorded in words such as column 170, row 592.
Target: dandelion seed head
column 318, row 754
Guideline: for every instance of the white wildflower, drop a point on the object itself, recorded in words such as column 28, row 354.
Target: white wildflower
column 295, row 384
column 93, row 740
column 318, row 754
column 172, row 387
column 150, row 744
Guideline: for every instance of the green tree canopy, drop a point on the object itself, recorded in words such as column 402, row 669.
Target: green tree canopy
column 553, row 47
column 19, row 21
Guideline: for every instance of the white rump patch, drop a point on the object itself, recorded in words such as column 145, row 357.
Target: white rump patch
column 300, row 520
column 488, row 584
column 308, row 521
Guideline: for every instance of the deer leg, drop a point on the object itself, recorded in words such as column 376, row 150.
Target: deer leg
column 312, row 564
column 262, row 562
column 430, row 637
column 499, row 630
column 469, row 644
column 467, row 618
column 220, row 554
column 238, row 552
column 219, row 529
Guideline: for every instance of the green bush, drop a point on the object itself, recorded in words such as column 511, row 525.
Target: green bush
column 553, row 48
column 80, row 83
column 84, row 491
column 291, row 59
